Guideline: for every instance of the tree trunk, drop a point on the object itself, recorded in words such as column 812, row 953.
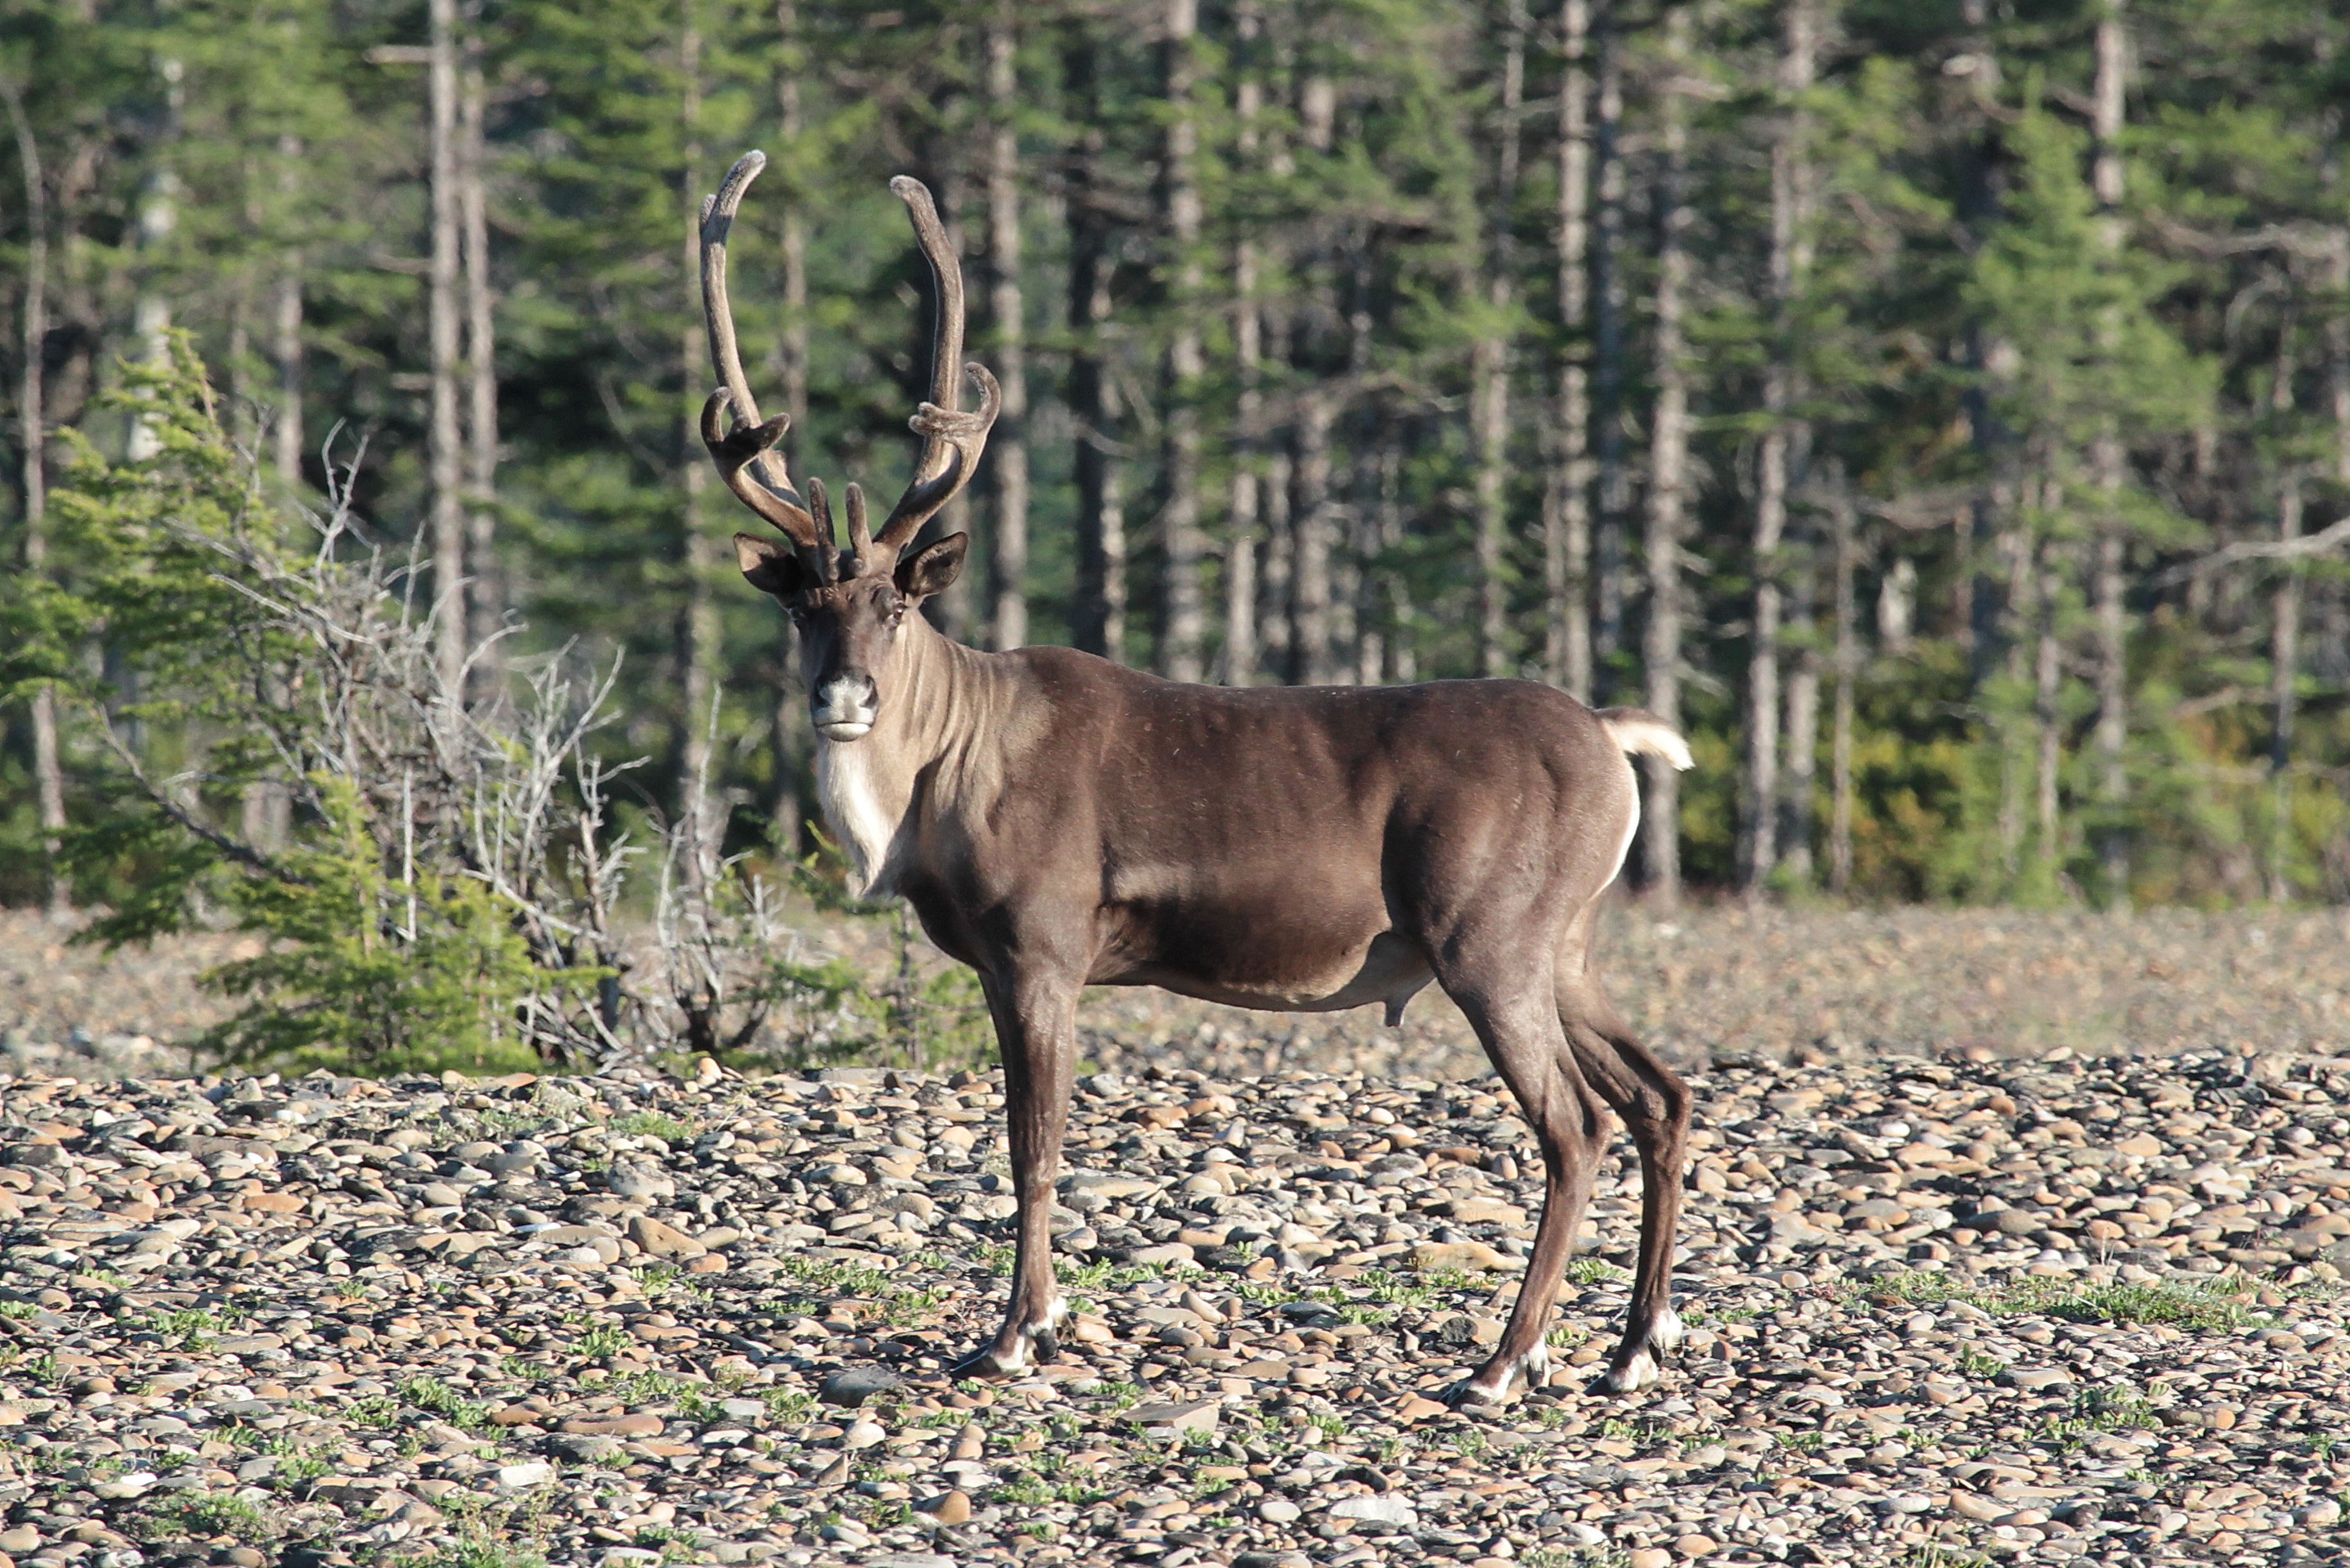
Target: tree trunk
column 159, row 215
column 1313, row 525
column 2284, row 668
column 445, row 452
column 2047, row 676
column 698, row 623
column 2106, row 459
column 789, row 739
column 1182, row 611
column 1847, row 674
column 32, row 423
column 1782, row 445
column 1566, row 494
column 1489, row 370
column 1309, row 603
column 1799, row 757
column 486, row 591
column 1608, row 350
column 1008, row 443
column 1240, row 656
column 285, row 341
column 1098, row 617
column 1660, row 823
column 1991, row 515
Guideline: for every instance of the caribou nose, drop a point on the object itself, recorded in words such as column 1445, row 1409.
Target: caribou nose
column 845, row 708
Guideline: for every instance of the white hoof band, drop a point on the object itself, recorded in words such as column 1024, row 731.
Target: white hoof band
column 1640, row 1371
column 1668, row 1331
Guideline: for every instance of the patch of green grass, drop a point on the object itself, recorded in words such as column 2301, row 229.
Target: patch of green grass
column 193, row 1329
column 1576, row 1557
column 476, row 1549
column 601, row 1343
column 2096, row 1410
column 1978, row 1363
column 1595, row 1271
column 2175, row 1302
column 225, row 1514
column 1036, row 1491
column 19, row 1309
column 431, row 1395
column 653, row 1124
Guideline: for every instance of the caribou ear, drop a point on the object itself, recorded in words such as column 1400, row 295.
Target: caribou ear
column 933, row 569
column 768, row 564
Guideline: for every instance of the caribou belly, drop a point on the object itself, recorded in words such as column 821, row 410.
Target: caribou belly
column 1389, row 969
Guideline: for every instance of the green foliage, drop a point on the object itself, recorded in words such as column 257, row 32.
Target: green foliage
column 371, row 973
column 2177, row 1303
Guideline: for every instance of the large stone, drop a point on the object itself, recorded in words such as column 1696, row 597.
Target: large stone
column 853, row 1385
column 1385, row 1508
column 663, row 1240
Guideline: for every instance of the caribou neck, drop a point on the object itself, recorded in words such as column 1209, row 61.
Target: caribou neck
column 940, row 704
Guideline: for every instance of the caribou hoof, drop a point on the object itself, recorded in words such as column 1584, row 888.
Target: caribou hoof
column 987, row 1363
column 1028, row 1346
column 1633, row 1373
column 1498, row 1382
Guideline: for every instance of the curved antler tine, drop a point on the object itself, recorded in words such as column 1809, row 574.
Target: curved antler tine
column 951, row 439
column 860, row 538
column 962, row 435
column 733, row 451
column 718, row 319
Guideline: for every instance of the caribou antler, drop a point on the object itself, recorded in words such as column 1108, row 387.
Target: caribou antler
column 952, row 440
column 742, row 445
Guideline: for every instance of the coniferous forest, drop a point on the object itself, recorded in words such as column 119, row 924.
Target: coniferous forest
column 1939, row 409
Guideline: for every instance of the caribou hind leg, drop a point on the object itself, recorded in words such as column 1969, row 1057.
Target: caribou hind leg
column 1035, row 1026
column 1521, row 1035
column 1655, row 1106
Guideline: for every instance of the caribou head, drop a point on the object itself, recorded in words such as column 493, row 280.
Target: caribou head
column 848, row 603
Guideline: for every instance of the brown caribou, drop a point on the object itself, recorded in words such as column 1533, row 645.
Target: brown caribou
column 1056, row 821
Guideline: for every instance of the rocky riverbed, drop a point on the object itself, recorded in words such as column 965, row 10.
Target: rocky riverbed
column 1943, row 1313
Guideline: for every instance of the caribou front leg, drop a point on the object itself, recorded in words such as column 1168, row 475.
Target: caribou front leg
column 1035, row 1027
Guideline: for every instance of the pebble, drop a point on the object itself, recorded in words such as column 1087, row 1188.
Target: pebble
column 1267, row 1338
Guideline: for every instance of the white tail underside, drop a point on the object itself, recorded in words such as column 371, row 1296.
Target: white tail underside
column 1648, row 737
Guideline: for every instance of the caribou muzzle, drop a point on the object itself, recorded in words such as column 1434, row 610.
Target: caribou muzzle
column 845, row 708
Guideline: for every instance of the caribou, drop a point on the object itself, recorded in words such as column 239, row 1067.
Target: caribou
column 1057, row 821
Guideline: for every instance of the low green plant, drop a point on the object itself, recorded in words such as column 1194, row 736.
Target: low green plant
column 653, row 1124
column 2178, row 1303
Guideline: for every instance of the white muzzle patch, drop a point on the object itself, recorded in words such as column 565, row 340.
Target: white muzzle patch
column 845, row 709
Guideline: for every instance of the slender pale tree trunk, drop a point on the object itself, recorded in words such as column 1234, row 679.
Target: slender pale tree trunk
column 1183, row 612
column 2284, row 667
column 789, row 739
column 32, row 423
column 1847, row 676
column 1489, row 370
column 1790, row 251
column 1566, row 492
column 1313, row 525
column 698, row 628
column 1099, row 614
column 1240, row 657
column 2106, row 459
column 486, row 588
column 1309, row 611
column 286, row 335
column 1008, row 443
column 1615, row 474
column 2047, row 677
column 444, row 442
column 1799, row 757
column 159, row 217
column 1660, row 821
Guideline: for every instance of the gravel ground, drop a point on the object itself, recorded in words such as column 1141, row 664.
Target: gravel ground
column 1944, row 1311
column 1707, row 984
